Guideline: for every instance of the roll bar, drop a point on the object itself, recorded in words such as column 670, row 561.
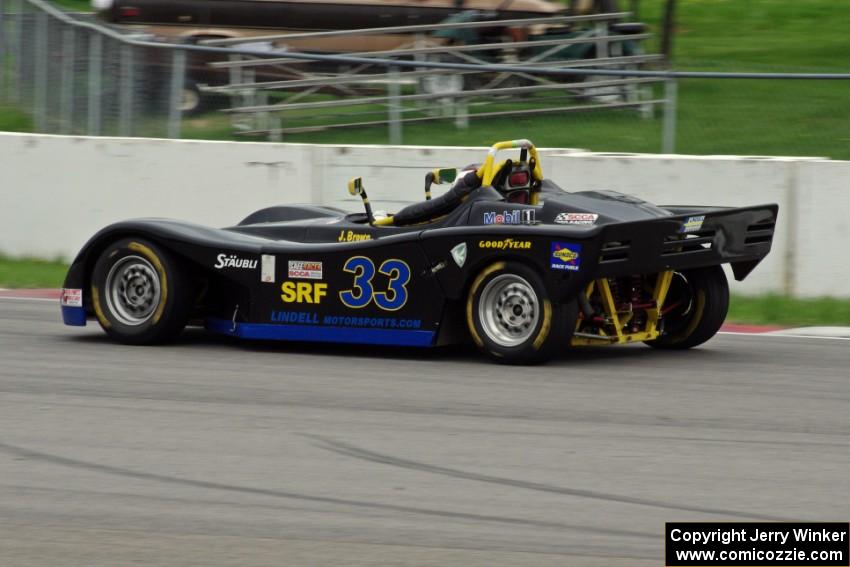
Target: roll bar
column 488, row 171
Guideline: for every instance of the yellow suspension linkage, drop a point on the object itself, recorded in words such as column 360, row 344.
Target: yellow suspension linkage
column 662, row 286
column 650, row 332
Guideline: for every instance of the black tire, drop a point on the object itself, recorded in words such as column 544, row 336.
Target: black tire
column 701, row 297
column 537, row 338
column 140, row 293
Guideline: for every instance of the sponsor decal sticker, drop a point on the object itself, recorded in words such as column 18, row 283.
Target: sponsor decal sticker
column 267, row 268
column 303, row 292
column 459, row 254
column 693, row 224
column 295, row 317
column 520, row 216
column 373, row 322
column 351, row 236
column 71, row 298
column 576, row 218
column 505, row 244
column 305, row 270
column 308, row 318
column 566, row 256
column 363, row 290
column 233, row 261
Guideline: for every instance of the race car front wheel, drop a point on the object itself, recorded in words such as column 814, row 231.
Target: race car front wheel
column 695, row 308
column 140, row 294
column 511, row 318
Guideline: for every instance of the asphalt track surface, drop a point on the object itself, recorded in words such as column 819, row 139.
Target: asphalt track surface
column 213, row 452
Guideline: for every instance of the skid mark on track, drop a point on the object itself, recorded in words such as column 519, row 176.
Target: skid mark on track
column 366, row 455
column 194, row 483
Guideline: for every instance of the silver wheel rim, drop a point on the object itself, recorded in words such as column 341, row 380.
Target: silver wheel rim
column 133, row 290
column 508, row 310
column 687, row 309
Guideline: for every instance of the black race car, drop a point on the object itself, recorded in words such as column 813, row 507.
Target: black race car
column 504, row 257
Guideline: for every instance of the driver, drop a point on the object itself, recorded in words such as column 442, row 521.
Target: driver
column 515, row 182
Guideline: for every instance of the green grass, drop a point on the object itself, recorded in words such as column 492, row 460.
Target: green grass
column 31, row 273
column 766, row 310
column 758, row 35
column 805, row 118
column 783, row 311
column 14, row 120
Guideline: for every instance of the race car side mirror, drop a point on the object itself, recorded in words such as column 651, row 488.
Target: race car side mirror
column 445, row 175
column 438, row 176
column 355, row 186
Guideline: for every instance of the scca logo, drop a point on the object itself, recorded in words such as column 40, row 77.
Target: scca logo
column 303, row 292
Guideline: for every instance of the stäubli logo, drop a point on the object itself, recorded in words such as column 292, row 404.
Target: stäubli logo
column 232, row 261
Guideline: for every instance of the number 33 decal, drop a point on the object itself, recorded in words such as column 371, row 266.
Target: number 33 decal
column 363, row 292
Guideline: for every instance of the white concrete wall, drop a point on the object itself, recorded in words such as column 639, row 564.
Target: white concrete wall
column 808, row 257
column 56, row 191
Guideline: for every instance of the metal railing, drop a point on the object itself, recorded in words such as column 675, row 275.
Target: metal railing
column 80, row 77
column 272, row 90
column 83, row 77
column 415, row 29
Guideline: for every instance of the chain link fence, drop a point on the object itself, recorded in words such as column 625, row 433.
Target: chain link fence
column 75, row 76
column 74, row 79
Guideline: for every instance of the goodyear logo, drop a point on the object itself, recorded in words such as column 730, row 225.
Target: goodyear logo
column 505, row 244
column 566, row 256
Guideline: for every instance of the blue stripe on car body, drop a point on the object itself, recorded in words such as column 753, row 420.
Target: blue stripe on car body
column 266, row 331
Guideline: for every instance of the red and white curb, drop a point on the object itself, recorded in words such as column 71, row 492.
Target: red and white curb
column 743, row 329
column 31, row 294
column 842, row 333
column 815, row 332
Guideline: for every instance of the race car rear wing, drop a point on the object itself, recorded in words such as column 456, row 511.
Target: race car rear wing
column 741, row 237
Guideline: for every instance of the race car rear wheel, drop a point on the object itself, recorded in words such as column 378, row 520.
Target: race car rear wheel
column 140, row 294
column 511, row 318
column 698, row 301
